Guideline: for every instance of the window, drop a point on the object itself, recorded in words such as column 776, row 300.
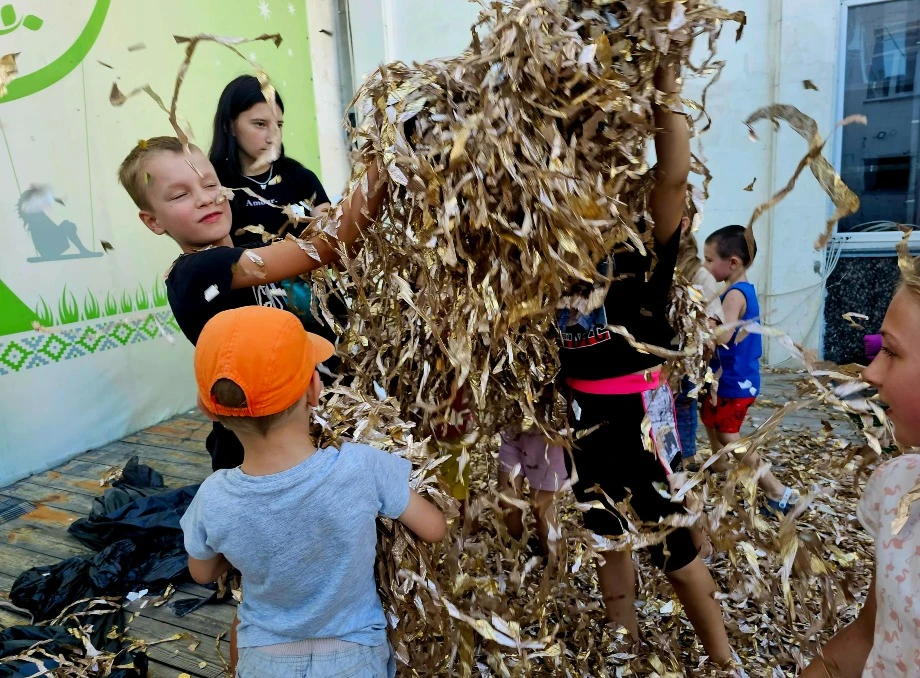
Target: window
column 881, row 80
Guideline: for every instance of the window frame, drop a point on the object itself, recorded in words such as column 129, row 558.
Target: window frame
column 872, row 243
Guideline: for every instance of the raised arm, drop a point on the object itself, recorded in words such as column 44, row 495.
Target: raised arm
column 286, row 259
column 672, row 146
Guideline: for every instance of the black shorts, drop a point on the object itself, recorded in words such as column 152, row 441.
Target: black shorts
column 225, row 448
column 613, row 457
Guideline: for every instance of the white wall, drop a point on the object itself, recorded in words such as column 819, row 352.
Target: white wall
column 327, row 88
column 784, row 43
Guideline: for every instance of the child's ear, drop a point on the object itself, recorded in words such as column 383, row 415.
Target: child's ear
column 150, row 221
column 685, row 224
column 314, row 389
column 201, row 406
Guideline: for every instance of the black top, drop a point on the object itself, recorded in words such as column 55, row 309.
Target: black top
column 198, row 288
column 286, row 183
column 589, row 350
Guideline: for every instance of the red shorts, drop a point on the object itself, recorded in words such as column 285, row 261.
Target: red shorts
column 727, row 415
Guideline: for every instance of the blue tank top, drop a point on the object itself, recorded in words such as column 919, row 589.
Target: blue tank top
column 740, row 361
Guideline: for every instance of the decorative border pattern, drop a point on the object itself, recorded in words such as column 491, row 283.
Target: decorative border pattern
column 54, row 345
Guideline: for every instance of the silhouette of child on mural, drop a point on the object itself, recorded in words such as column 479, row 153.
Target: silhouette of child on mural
column 51, row 240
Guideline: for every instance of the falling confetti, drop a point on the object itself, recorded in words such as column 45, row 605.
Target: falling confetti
column 8, row 71
column 843, row 198
column 808, row 84
column 106, row 246
column 750, row 187
column 851, row 319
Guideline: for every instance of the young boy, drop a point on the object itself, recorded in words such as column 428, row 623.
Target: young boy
column 181, row 197
column 728, row 258
column 299, row 523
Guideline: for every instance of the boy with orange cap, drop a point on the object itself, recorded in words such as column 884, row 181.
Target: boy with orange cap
column 298, row 522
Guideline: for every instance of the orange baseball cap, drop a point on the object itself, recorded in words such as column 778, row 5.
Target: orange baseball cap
column 265, row 351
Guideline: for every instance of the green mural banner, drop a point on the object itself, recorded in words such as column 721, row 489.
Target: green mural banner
column 64, row 64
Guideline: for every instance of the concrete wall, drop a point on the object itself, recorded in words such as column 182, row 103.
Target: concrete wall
column 785, row 43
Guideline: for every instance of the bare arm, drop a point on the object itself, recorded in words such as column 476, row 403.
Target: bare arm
column 672, row 146
column 207, row 571
column 846, row 653
column 282, row 260
column 424, row 518
column 733, row 308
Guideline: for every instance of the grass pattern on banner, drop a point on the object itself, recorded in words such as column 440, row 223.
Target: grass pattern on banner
column 37, row 349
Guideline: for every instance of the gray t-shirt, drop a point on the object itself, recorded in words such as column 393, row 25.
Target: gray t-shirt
column 305, row 541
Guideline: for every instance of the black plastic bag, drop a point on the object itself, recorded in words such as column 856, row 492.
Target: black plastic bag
column 149, row 519
column 116, row 571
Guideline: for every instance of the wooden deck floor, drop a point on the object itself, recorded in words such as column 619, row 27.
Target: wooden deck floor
column 176, row 449
column 59, row 497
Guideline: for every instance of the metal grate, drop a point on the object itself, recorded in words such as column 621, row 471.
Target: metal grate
column 12, row 508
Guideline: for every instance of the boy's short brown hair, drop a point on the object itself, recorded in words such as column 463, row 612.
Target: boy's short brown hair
column 228, row 393
column 131, row 173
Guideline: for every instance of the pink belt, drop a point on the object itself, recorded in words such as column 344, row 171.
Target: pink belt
column 628, row 383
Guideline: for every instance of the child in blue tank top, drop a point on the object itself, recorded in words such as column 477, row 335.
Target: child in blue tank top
column 728, row 259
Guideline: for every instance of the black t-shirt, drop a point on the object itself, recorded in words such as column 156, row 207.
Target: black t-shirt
column 589, row 350
column 286, row 183
column 198, row 288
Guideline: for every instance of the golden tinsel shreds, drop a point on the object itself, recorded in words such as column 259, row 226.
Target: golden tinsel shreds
column 513, row 169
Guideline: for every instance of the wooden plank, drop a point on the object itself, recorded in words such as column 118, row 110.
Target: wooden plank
column 37, row 494
column 9, row 618
column 208, row 620
column 56, row 482
column 164, row 441
column 128, row 450
column 85, row 480
column 40, row 539
column 14, row 560
column 158, row 670
column 176, row 653
column 169, row 430
column 91, row 470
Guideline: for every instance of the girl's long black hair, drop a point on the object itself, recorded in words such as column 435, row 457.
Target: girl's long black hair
column 239, row 96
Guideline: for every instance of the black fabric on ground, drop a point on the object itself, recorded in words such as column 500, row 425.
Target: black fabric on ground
column 139, row 542
column 135, row 527
column 117, row 570
column 137, row 481
column 154, row 518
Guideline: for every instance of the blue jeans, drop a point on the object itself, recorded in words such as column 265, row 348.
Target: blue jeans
column 359, row 661
column 686, row 419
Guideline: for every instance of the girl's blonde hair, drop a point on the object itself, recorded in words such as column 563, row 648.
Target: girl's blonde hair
column 909, row 265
